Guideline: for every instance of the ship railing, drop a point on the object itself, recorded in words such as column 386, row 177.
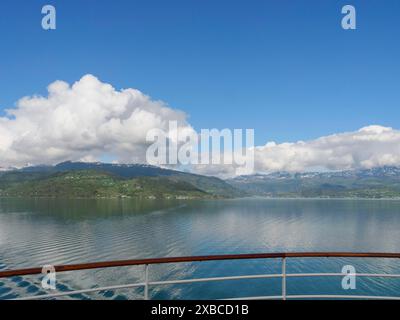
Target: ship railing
column 146, row 284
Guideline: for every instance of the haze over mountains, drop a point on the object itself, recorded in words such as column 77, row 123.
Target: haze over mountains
column 91, row 180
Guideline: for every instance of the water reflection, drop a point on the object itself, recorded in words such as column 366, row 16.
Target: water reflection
column 34, row 232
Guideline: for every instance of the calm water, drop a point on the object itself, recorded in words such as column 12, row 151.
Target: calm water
column 39, row 232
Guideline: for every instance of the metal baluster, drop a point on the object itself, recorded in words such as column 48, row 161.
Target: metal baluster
column 146, row 282
column 284, row 278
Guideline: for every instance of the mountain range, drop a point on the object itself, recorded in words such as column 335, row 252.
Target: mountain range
column 94, row 180
column 381, row 182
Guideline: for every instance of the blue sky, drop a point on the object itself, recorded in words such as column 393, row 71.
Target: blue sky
column 285, row 68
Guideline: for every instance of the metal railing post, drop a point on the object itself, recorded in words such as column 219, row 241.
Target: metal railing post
column 146, row 282
column 284, row 278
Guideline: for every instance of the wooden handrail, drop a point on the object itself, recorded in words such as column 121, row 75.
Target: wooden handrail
column 136, row 262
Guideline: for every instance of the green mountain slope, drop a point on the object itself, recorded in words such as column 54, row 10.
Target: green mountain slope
column 211, row 185
column 95, row 184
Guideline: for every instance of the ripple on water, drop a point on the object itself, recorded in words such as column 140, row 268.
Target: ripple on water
column 48, row 235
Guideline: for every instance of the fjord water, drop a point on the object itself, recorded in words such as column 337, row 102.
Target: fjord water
column 37, row 232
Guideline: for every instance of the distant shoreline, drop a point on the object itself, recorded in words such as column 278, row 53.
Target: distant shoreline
column 194, row 199
column 322, row 198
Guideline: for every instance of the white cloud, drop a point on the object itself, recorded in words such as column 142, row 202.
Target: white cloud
column 81, row 122
column 368, row 147
column 91, row 119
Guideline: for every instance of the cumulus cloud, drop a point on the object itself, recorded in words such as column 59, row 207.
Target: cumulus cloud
column 84, row 121
column 369, row 147
column 89, row 120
